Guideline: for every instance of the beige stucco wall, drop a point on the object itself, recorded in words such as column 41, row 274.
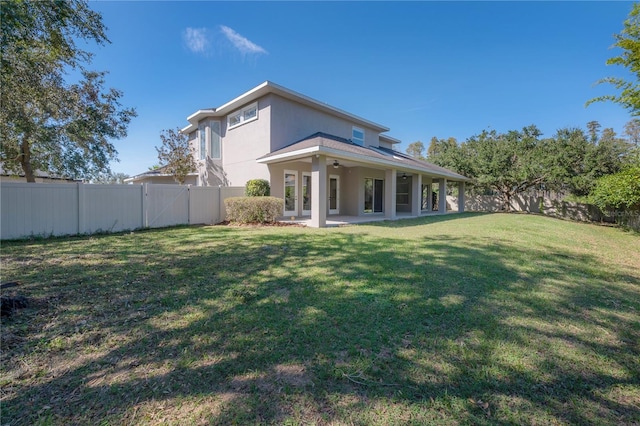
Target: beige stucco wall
column 345, row 189
column 364, row 173
column 240, row 147
column 244, row 144
column 292, row 121
column 210, row 171
column 348, row 189
column 277, row 178
column 351, row 184
column 280, row 122
column 387, row 145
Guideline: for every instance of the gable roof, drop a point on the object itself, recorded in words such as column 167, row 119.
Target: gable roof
column 160, row 171
column 270, row 87
column 39, row 174
column 335, row 146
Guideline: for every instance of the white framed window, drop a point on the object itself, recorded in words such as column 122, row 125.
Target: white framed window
column 215, row 149
column 202, row 138
column 245, row 115
column 234, row 120
column 357, row 136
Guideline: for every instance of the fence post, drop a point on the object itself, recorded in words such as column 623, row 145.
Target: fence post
column 189, row 204
column 221, row 215
column 144, row 205
column 81, row 210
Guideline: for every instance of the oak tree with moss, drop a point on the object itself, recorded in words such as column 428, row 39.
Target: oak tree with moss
column 47, row 123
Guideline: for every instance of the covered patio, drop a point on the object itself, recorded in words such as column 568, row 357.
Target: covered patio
column 328, row 181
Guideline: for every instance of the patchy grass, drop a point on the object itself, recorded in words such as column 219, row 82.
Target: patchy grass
column 461, row 319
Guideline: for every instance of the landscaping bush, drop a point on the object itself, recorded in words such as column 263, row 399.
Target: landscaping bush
column 618, row 191
column 618, row 195
column 253, row 209
column 257, row 188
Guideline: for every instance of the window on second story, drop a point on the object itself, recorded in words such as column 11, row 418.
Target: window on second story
column 202, row 138
column 214, row 140
column 357, row 136
column 245, row 115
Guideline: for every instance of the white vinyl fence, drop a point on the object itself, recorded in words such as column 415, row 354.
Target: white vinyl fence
column 39, row 209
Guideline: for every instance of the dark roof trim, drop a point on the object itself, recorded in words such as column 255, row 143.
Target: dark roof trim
column 336, row 146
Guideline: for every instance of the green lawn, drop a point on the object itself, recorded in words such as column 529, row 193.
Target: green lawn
column 463, row 319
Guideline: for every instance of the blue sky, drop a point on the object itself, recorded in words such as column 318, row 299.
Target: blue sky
column 422, row 69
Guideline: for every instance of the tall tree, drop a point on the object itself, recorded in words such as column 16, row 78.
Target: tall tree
column 445, row 153
column 632, row 130
column 574, row 161
column 505, row 163
column 629, row 41
column 110, row 178
column 176, row 155
column 416, row 150
column 514, row 162
column 563, row 157
column 594, row 128
column 47, row 123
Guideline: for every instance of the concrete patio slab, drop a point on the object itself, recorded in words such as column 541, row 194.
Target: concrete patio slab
column 341, row 220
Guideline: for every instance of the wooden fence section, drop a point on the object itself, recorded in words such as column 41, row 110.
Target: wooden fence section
column 34, row 209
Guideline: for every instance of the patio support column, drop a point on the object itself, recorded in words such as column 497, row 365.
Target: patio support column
column 429, row 182
column 461, row 197
column 416, row 195
column 390, row 178
column 319, row 191
column 442, row 196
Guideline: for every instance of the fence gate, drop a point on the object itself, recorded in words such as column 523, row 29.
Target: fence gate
column 167, row 205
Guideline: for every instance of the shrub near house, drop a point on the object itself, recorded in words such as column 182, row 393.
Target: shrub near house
column 257, row 188
column 253, row 209
column 618, row 191
column 257, row 206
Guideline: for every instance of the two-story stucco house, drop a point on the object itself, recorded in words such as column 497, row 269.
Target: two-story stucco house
column 321, row 160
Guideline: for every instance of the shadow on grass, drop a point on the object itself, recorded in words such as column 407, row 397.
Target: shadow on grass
column 250, row 327
column 425, row 220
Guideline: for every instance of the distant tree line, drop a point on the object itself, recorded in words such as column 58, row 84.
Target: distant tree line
column 110, row 178
column 573, row 161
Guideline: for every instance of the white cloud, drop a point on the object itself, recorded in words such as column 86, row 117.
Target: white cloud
column 196, row 39
column 244, row 45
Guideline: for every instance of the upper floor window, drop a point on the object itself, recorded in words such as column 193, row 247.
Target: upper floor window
column 202, row 137
column 357, row 136
column 245, row 115
column 214, row 140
